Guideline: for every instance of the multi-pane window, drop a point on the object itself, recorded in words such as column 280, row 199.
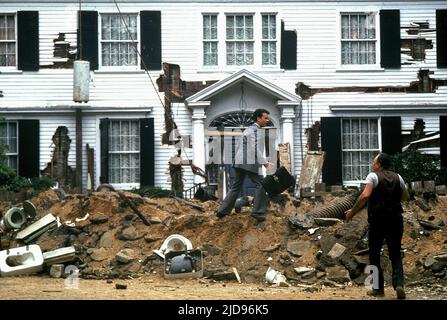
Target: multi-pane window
column 269, row 39
column 210, row 40
column 239, row 39
column 119, row 40
column 360, row 144
column 124, row 151
column 7, row 41
column 9, row 143
column 358, row 38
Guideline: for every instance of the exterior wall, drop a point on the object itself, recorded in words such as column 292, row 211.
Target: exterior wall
column 317, row 66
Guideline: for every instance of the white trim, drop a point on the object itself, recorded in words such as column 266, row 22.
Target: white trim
column 137, row 40
column 429, row 107
column 248, row 76
column 358, row 67
column 12, row 69
column 222, row 40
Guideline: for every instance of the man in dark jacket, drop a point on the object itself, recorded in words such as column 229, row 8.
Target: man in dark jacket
column 384, row 192
column 248, row 161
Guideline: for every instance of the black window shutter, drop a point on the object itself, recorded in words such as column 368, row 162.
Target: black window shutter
column 28, row 40
column 288, row 49
column 441, row 38
column 147, row 156
column 88, row 37
column 150, row 29
column 390, row 38
column 104, row 133
column 331, row 145
column 443, row 140
column 29, row 154
column 391, row 135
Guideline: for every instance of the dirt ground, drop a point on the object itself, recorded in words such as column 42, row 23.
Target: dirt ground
column 153, row 288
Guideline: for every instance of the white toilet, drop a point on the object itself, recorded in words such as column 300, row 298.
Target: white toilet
column 22, row 260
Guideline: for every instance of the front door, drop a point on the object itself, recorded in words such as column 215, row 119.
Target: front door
column 234, row 122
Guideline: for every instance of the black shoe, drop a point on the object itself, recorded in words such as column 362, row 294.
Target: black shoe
column 220, row 215
column 400, row 292
column 258, row 217
column 376, row 293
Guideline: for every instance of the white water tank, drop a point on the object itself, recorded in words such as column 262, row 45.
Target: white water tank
column 81, row 80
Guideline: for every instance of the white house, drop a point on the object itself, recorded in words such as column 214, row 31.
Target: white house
column 365, row 69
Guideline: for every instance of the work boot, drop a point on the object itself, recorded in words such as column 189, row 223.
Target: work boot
column 258, row 217
column 376, row 293
column 220, row 215
column 400, row 292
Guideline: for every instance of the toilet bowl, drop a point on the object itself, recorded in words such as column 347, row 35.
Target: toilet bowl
column 175, row 242
column 22, row 260
column 14, row 218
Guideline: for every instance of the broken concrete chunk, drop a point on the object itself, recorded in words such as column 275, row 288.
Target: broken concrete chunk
column 57, row 270
column 338, row 274
column 309, row 274
column 99, row 218
column 155, row 220
column 326, row 222
column 98, row 254
column 121, row 286
column 130, row 233
column 336, row 251
column 298, row 248
column 441, row 258
column 301, row 222
column 429, row 262
column 271, row 248
column 301, row 270
column 106, row 240
column 125, row 256
column 428, row 225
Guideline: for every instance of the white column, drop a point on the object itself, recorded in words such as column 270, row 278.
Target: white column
column 198, row 139
column 287, row 120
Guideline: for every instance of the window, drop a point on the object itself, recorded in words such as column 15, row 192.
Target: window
column 240, row 40
column 210, row 41
column 358, row 38
column 119, row 40
column 9, row 141
column 360, row 144
column 269, row 39
column 7, row 41
column 124, row 151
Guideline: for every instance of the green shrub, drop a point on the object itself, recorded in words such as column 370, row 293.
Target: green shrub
column 415, row 166
column 153, row 192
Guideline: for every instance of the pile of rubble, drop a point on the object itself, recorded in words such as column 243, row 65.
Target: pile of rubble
column 112, row 241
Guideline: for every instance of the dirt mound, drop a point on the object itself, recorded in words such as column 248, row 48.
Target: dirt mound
column 234, row 241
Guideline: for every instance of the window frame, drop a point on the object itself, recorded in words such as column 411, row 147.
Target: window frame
column 126, row 185
column 276, row 40
column 11, row 154
column 101, row 67
column 222, row 40
column 210, row 40
column 379, row 144
column 358, row 67
column 14, row 14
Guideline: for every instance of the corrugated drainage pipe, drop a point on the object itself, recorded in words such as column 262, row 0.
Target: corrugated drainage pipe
column 335, row 208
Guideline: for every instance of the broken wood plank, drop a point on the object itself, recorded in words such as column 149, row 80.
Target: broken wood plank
column 237, row 275
column 134, row 208
column 195, row 206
